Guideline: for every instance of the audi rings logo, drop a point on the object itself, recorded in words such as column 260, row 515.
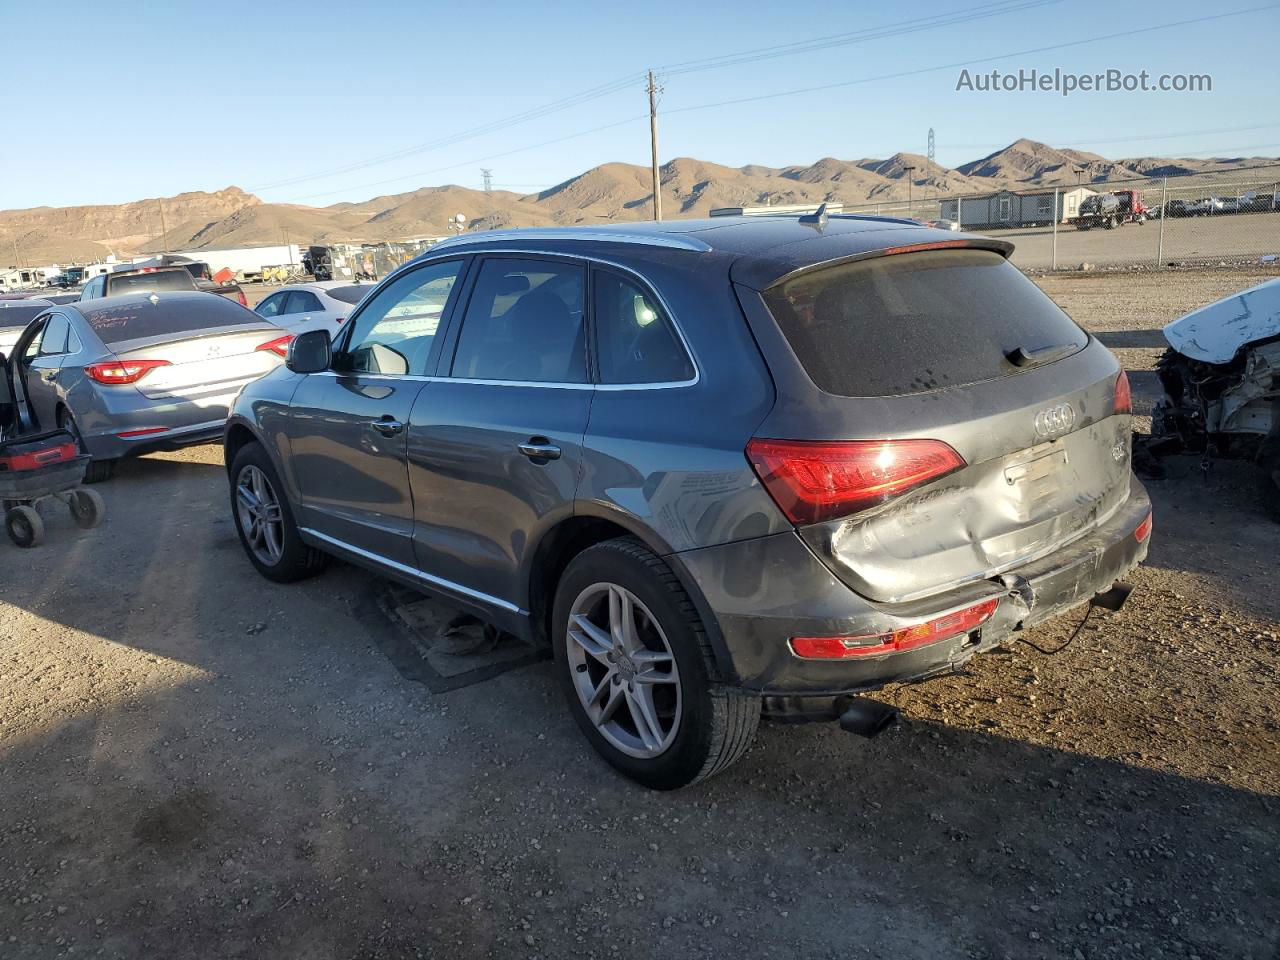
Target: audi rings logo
column 1055, row 420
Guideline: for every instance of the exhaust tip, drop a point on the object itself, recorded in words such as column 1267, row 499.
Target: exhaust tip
column 867, row 718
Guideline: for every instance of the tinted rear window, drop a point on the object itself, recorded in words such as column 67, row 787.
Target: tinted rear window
column 115, row 323
column 350, row 294
column 145, row 282
column 915, row 322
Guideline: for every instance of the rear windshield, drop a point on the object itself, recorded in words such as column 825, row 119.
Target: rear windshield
column 115, row 323
column 915, row 322
column 352, row 294
column 143, row 282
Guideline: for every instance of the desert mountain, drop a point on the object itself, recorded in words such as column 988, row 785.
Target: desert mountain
column 609, row 192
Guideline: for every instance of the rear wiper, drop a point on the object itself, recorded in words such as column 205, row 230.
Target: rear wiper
column 1022, row 357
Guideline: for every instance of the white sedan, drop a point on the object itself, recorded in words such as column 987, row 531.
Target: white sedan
column 322, row 305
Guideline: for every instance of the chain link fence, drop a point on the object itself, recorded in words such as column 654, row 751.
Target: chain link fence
column 1208, row 218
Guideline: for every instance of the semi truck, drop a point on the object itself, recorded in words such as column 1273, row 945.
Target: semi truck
column 1109, row 210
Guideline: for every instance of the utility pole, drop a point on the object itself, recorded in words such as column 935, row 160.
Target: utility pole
column 653, row 89
column 488, row 179
column 932, row 165
column 164, row 231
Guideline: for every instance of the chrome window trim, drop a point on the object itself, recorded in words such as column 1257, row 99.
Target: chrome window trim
column 414, row 572
column 426, row 261
column 667, row 240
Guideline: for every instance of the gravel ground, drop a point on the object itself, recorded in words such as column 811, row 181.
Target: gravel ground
column 197, row 763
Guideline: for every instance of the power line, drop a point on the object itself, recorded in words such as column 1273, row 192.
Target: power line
column 1133, row 139
column 968, row 63
column 933, row 21
column 815, row 89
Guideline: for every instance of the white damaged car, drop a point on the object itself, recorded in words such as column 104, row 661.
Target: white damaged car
column 1221, row 379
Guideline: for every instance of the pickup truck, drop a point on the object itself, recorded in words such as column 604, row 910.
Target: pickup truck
column 148, row 279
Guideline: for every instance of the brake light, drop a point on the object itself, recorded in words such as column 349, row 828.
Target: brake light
column 899, row 641
column 1143, row 530
column 340, row 321
column 816, row 481
column 244, row 301
column 40, row 458
column 122, row 371
column 1124, row 396
column 278, row 346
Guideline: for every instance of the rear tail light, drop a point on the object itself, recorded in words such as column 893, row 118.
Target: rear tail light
column 899, row 641
column 39, row 458
column 1143, row 530
column 244, row 301
column 122, row 371
column 816, row 481
column 278, row 346
column 340, row 321
column 1124, row 397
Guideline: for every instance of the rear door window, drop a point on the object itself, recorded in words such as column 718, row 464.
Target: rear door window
column 915, row 322
column 300, row 301
column 524, row 322
column 635, row 342
column 352, row 294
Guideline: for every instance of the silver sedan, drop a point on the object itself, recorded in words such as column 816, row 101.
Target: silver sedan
column 133, row 374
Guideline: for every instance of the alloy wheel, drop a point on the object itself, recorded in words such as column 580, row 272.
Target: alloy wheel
column 261, row 521
column 623, row 670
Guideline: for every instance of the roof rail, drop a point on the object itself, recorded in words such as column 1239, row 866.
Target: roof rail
column 668, row 240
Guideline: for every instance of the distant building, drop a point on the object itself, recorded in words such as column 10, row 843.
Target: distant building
column 781, row 209
column 1010, row 208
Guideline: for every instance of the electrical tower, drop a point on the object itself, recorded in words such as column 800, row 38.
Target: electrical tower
column 488, row 177
column 931, row 165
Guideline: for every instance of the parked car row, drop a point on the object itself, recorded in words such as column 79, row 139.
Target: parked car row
column 1209, row 206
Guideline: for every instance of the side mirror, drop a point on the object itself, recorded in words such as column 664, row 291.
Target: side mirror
column 309, row 352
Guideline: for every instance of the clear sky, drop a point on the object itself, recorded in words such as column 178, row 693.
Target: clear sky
column 109, row 102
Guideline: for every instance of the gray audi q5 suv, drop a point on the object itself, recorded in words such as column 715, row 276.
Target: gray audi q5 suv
column 718, row 466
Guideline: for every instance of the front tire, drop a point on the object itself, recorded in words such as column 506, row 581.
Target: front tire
column 264, row 520
column 635, row 664
column 24, row 526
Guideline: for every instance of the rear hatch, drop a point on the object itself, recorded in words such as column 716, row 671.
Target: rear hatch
column 941, row 420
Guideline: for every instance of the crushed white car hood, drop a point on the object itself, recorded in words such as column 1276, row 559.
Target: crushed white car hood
column 1214, row 333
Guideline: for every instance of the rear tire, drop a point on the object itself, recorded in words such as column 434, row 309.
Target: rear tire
column 286, row 559
column 98, row 470
column 701, row 727
column 24, row 526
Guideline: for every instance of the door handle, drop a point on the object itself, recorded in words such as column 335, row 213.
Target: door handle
column 539, row 448
column 49, row 376
column 388, row 426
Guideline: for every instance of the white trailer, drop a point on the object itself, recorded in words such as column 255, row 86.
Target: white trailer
column 245, row 262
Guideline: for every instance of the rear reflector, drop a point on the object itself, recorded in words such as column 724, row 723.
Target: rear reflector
column 122, row 371
column 39, row 458
column 816, row 481
column 899, row 641
column 1143, row 530
column 126, row 434
column 1124, row 397
column 279, row 346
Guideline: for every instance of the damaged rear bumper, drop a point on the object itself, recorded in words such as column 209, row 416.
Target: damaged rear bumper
column 763, row 592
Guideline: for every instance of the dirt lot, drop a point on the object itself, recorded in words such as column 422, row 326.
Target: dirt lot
column 196, row 763
column 1185, row 239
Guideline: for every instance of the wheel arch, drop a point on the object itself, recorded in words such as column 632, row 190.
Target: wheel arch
column 238, row 435
column 586, row 528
